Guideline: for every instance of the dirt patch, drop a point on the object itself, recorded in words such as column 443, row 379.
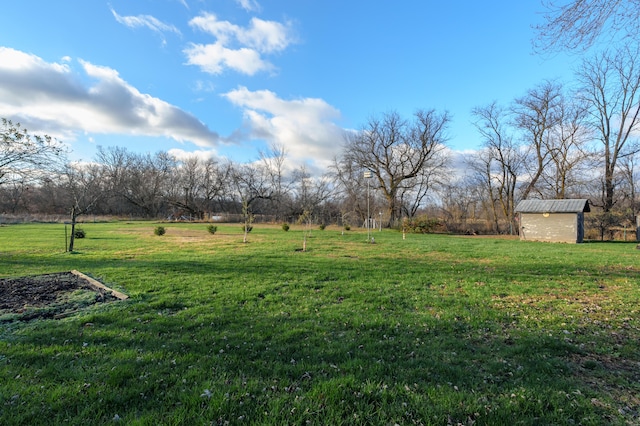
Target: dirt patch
column 51, row 295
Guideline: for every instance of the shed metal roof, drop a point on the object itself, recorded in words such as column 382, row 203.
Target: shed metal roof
column 553, row 206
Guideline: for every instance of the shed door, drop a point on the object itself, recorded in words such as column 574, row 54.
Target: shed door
column 580, row 227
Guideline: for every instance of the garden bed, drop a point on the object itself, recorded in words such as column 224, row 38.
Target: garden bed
column 53, row 295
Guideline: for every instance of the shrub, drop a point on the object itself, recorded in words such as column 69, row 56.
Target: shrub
column 212, row 229
column 423, row 225
column 322, row 226
column 285, row 226
column 79, row 233
column 347, row 227
column 159, row 230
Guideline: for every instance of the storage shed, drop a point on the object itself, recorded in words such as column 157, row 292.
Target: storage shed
column 552, row 220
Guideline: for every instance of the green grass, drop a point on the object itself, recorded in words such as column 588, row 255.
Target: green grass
column 428, row 330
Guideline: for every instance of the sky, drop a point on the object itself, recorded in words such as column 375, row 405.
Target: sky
column 231, row 78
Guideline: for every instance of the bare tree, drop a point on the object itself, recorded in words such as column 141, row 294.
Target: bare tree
column 576, row 25
column 273, row 162
column 415, row 191
column 141, row 180
column 84, row 186
column 25, row 157
column 310, row 194
column 195, row 184
column 610, row 87
column 499, row 163
column 396, row 150
column 554, row 134
column 568, row 151
column 348, row 180
column 536, row 115
column 251, row 184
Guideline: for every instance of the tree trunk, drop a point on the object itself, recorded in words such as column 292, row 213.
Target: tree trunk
column 73, row 229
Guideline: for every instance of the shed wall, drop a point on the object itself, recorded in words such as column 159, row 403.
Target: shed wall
column 552, row 227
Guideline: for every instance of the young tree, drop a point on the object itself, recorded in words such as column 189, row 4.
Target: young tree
column 395, row 151
column 251, row 183
column 84, row 186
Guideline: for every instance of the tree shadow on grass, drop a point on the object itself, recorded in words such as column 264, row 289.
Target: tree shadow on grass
column 177, row 361
column 334, row 341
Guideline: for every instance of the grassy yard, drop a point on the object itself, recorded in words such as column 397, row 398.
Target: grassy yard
column 431, row 330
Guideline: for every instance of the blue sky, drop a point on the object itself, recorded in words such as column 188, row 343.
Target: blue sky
column 226, row 78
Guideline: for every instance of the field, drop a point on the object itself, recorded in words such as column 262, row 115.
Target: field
column 431, row 329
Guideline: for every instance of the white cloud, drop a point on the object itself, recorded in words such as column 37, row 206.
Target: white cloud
column 146, row 21
column 236, row 47
column 202, row 154
column 203, row 86
column 305, row 127
column 249, row 5
column 214, row 58
column 52, row 98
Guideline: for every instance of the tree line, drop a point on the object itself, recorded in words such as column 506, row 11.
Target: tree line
column 554, row 141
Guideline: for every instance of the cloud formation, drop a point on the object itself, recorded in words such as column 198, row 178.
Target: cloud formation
column 146, row 21
column 238, row 48
column 305, row 127
column 249, row 5
column 53, row 98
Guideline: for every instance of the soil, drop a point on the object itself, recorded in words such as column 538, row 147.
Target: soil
column 48, row 296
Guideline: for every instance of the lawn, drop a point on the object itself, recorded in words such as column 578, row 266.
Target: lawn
column 431, row 329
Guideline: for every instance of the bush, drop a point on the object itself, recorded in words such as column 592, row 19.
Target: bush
column 212, row 229
column 347, row 227
column 285, row 226
column 159, row 230
column 248, row 228
column 79, row 233
column 322, row 226
column 424, row 225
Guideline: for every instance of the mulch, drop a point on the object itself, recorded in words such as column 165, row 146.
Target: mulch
column 50, row 295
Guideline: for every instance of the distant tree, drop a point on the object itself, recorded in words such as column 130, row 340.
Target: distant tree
column 499, row 163
column 310, row 194
column 629, row 185
column 536, row 115
column 553, row 131
column 398, row 151
column 193, row 185
column 25, row 157
column 577, row 24
column 348, row 181
column 251, row 183
column 138, row 180
column 569, row 154
column 610, row 88
column 273, row 162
